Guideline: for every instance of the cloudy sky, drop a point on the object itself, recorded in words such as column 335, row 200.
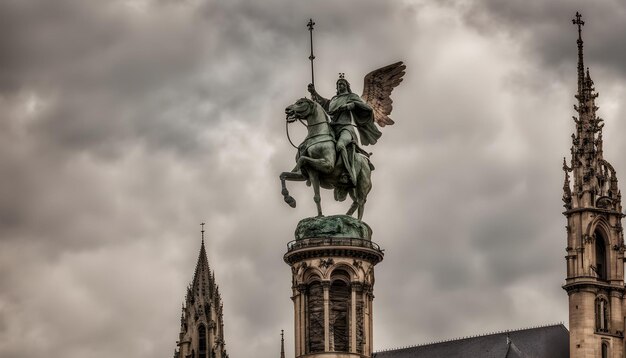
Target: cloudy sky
column 126, row 123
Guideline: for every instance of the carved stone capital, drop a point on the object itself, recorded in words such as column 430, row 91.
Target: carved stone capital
column 301, row 288
column 325, row 285
column 367, row 290
column 357, row 286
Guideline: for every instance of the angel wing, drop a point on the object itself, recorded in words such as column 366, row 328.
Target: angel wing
column 377, row 90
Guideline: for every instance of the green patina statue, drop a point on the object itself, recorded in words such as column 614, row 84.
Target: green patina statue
column 330, row 156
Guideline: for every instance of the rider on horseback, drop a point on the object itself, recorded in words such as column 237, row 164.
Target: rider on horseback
column 317, row 161
column 345, row 108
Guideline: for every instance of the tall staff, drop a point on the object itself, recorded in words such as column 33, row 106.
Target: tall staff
column 311, row 57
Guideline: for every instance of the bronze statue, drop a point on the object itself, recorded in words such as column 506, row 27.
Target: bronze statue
column 330, row 131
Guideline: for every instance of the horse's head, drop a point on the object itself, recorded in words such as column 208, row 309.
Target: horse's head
column 303, row 108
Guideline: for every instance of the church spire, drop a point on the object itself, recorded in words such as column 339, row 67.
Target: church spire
column 589, row 170
column 203, row 277
column 202, row 320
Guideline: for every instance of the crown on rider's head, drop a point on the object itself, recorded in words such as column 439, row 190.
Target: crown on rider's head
column 345, row 81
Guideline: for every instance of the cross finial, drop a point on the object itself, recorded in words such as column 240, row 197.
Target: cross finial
column 310, row 24
column 342, row 75
column 202, row 231
column 578, row 21
column 581, row 67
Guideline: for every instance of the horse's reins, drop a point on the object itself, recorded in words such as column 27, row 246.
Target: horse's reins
column 304, row 124
column 288, row 137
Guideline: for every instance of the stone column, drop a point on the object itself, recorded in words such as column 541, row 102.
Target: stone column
column 353, row 318
column 370, row 328
column 301, row 332
column 296, row 298
column 326, row 287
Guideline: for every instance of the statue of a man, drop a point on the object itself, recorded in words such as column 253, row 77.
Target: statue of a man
column 346, row 108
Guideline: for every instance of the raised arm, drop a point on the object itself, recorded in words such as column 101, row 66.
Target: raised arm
column 324, row 102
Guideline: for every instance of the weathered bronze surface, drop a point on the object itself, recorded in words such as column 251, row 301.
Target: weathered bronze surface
column 338, row 226
column 330, row 156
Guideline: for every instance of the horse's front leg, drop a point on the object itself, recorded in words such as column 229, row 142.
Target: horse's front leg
column 284, row 176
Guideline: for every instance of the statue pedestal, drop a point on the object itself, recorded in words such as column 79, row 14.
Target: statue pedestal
column 333, row 226
column 332, row 261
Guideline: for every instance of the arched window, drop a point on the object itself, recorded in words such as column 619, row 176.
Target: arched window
column 340, row 306
column 605, row 350
column 601, row 262
column 315, row 317
column 202, row 342
column 602, row 315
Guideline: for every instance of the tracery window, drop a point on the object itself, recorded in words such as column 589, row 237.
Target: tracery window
column 601, row 262
column 340, row 306
column 202, row 342
column 602, row 315
column 315, row 317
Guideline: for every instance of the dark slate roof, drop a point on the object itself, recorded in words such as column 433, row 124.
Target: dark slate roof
column 542, row 342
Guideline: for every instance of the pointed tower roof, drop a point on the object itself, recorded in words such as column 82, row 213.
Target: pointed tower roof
column 203, row 280
column 594, row 179
column 202, row 308
column 202, row 264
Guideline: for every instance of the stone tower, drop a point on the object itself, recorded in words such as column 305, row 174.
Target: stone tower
column 201, row 321
column 332, row 262
column 595, row 245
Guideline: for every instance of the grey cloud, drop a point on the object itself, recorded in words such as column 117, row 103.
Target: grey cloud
column 540, row 25
column 126, row 124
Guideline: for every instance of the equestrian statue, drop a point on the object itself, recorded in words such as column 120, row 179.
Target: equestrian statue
column 331, row 156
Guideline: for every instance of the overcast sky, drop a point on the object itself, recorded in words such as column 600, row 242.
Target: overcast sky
column 125, row 124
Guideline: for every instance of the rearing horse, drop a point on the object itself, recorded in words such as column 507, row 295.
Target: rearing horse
column 317, row 161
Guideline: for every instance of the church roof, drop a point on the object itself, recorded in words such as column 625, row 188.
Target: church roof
column 203, row 283
column 542, row 342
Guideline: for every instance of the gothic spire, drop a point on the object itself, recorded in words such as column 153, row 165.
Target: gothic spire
column 585, row 154
column 202, row 308
column 591, row 174
column 203, row 271
column 203, row 283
